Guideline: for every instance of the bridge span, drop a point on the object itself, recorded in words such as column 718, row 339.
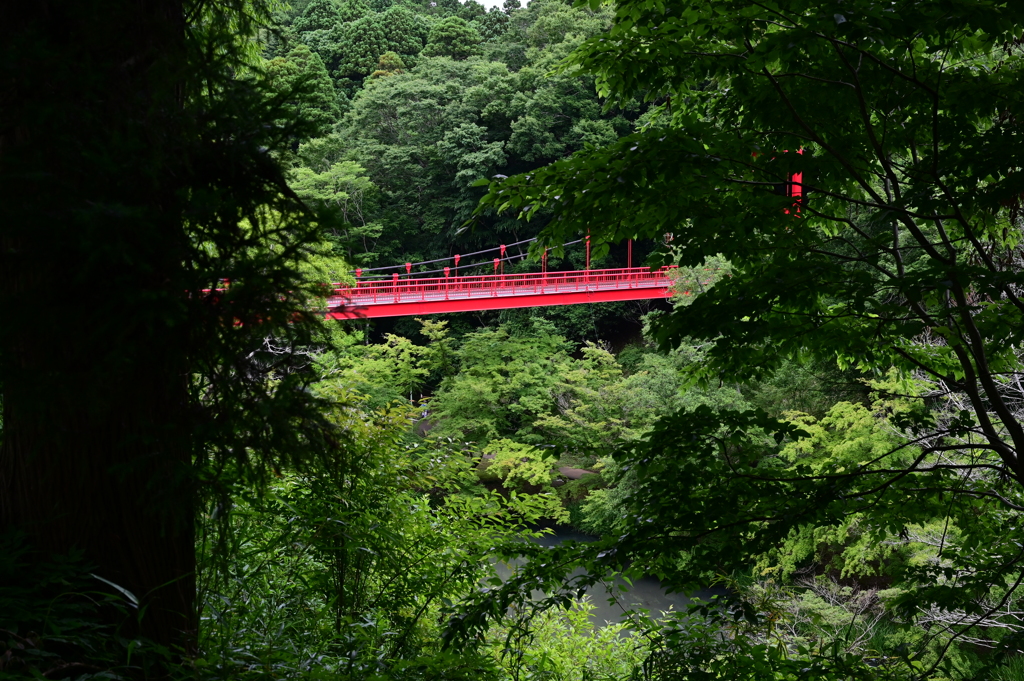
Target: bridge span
column 398, row 297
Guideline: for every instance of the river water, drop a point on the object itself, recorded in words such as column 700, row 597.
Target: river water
column 646, row 592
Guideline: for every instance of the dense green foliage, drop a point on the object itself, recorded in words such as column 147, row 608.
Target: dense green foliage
column 465, row 97
column 901, row 261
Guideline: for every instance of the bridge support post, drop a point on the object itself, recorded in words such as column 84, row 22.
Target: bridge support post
column 586, row 275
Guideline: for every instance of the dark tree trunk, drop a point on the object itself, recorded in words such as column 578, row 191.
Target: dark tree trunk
column 96, row 452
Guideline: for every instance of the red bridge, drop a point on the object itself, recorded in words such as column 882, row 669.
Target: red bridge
column 399, row 297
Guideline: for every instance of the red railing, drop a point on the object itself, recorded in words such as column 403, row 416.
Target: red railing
column 411, row 290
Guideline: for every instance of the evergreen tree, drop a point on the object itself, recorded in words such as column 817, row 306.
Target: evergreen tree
column 319, row 15
column 471, row 10
column 351, row 50
column 359, row 45
column 323, row 43
column 452, row 37
column 139, row 179
column 492, row 25
column 353, row 10
column 406, row 33
column 318, row 102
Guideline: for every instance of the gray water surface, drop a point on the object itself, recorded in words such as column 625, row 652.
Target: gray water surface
column 646, row 592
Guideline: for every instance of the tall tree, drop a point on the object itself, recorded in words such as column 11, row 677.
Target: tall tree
column 136, row 179
column 860, row 166
column 302, row 77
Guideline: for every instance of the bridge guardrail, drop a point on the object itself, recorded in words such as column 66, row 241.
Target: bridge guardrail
column 411, row 289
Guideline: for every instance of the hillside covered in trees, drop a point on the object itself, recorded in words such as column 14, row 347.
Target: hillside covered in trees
column 414, row 104
column 816, row 441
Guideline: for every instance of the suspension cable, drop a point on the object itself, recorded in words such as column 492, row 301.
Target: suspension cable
column 459, row 267
column 430, row 262
column 387, row 277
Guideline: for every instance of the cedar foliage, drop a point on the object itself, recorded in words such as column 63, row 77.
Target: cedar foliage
column 136, row 184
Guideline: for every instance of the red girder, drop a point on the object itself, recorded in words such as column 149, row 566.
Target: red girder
column 400, row 297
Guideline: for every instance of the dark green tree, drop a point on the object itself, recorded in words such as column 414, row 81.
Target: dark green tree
column 492, row 25
column 471, row 10
column 303, row 76
column 353, row 10
column 452, row 37
column 426, row 136
column 358, row 46
column 136, row 183
column 350, row 50
column 420, row 138
column 406, row 33
column 318, row 15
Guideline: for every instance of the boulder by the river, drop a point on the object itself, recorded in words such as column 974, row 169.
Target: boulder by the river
column 574, row 473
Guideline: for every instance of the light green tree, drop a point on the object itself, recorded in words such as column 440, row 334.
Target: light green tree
column 345, row 187
column 389, row 64
column 387, row 372
column 504, row 383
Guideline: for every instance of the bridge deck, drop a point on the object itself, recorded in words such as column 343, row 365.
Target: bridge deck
column 399, row 297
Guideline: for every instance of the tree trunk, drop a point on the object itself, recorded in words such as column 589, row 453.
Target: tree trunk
column 93, row 353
